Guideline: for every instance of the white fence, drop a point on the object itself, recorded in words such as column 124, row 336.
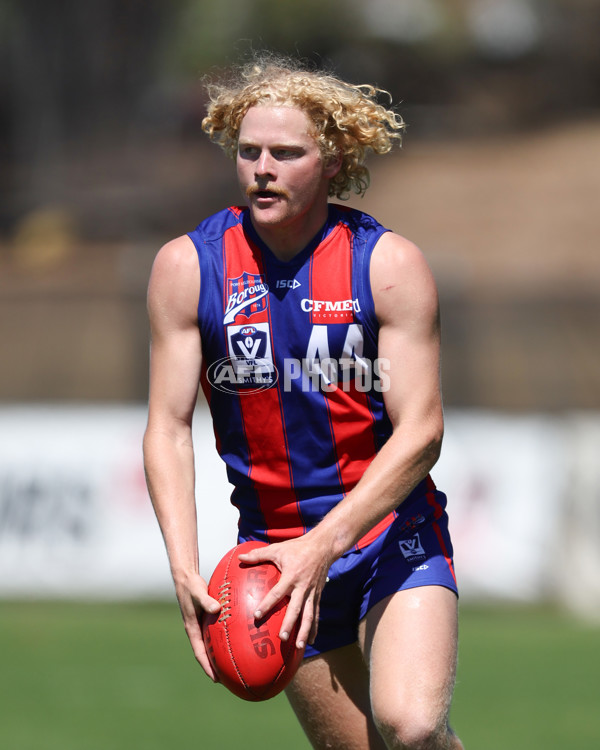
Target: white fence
column 75, row 519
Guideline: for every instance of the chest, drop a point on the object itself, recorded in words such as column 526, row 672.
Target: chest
column 277, row 322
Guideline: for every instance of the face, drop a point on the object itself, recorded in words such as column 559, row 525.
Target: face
column 280, row 170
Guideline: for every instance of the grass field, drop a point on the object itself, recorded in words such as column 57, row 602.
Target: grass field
column 122, row 677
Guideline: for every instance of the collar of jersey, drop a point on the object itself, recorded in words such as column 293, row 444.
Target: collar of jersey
column 306, row 252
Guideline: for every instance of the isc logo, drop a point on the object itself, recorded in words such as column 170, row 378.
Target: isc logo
column 287, row 284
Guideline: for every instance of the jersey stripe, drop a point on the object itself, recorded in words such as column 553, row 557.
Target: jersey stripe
column 350, row 417
column 331, row 280
column 267, row 443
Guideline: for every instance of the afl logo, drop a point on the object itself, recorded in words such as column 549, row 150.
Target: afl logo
column 241, row 375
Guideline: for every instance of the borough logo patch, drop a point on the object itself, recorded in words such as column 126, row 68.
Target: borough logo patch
column 246, row 295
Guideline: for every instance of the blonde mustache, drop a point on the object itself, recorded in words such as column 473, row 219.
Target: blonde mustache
column 255, row 189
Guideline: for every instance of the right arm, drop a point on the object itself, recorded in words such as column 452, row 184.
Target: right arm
column 175, row 361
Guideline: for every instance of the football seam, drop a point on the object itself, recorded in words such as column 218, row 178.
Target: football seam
column 225, row 627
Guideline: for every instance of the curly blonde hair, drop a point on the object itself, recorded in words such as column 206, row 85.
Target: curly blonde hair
column 347, row 118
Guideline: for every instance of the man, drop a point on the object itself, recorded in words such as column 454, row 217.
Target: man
column 314, row 333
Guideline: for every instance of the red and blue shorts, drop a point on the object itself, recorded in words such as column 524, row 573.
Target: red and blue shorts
column 415, row 550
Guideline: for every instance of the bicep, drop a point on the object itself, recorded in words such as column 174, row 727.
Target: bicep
column 175, row 350
column 175, row 361
column 406, row 304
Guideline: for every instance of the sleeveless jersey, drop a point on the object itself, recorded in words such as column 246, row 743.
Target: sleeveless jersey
column 290, row 368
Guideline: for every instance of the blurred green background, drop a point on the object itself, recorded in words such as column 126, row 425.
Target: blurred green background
column 91, row 677
column 102, row 161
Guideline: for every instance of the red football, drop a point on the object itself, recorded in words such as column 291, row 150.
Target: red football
column 247, row 654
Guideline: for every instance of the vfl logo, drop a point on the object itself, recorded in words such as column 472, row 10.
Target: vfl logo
column 248, row 342
column 249, row 368
column 412, row 549
column 246, row 295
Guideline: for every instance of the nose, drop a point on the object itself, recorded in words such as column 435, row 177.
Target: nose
column 264, row 166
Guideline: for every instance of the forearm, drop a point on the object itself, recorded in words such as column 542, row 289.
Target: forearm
column 402, row 463
column 169, row 466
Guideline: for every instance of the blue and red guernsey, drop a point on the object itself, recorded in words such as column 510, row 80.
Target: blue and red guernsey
column 290, row 368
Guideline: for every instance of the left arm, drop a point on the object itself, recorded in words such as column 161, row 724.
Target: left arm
column 406, row 305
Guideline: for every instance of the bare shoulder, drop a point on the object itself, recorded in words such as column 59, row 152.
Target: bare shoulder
column 401, row 280
column 176, row 258
column 174, row 285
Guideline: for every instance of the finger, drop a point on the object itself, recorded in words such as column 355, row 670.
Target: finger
column 193, row 610
column 201, row 655
column 206, row 603
column 307, row 631
column 195, row 600
column 294, row 611
column 257, row 555
column 193, row 628
column 271, row 598
column 315, row 624
column 307, row 626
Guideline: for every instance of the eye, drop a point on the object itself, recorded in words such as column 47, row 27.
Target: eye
column 286, row 153
column 248, row 151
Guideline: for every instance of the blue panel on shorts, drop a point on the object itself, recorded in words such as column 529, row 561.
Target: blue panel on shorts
column 415, row 550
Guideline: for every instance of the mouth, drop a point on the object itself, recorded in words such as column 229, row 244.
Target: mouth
column 265, row 194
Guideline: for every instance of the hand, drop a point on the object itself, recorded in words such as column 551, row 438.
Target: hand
column 194, row 601
column 303, row 565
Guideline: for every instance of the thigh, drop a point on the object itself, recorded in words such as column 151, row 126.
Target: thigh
column 410, row 643
column 330, row 697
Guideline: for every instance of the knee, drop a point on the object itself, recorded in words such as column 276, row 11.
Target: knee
column 412, row 729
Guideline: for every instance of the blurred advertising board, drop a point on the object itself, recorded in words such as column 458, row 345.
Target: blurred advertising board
column 75, row 516
column 76, row 521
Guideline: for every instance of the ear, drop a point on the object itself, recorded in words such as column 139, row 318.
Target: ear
column 332, row 166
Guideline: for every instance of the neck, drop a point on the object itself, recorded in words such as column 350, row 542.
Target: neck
column 285, row 242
